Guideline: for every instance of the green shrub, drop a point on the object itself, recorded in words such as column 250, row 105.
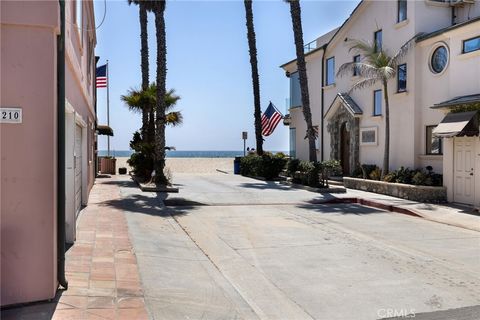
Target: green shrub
column 267, row 166
column 309, row 173
column 390, row 177
column 357, row 173
column 376, row 174
column 292, row 166
column 141, row 159
column 404, row 175
column 417, row 177
column 367, row 169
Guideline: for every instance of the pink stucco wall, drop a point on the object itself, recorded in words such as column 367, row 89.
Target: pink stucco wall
column 28, row 151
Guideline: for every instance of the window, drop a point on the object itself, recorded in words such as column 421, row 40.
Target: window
column 368, row 136
column 377, row 102
column 293, row 142
column 78, row 13
column 402, row 78
column 471, row 45
column 330, row 71
column 433, row 144
column 439, row 59
column 378, row 40
column 356, row 59
column 295, row 92
column 402, row 10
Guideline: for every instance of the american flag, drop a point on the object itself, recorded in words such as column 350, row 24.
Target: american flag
column 101, row 75
column 270, row 119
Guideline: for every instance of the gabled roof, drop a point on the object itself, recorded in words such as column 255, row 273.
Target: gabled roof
column 348, row 103
column 457, row 101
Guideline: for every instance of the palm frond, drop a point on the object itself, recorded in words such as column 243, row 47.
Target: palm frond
column 401, row 53
column 365, row 48
column 174, row 118
column 363, row 69
column 364, row 83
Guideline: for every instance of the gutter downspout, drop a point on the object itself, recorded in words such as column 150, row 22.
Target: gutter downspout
column 322, row 97
column 61, row 150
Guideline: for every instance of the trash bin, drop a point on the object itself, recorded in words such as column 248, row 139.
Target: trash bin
column 236, row 165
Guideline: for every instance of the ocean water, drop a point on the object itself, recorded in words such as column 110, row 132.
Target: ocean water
column 181, row 154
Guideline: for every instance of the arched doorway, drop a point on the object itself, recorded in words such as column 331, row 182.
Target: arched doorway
column 345, row 149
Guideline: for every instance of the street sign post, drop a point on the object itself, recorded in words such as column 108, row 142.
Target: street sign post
column 244, row 137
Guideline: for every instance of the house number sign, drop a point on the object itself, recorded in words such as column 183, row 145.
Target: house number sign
column 10, row 115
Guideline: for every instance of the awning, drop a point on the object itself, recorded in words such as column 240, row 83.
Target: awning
column 458, row 124
column 104, row 130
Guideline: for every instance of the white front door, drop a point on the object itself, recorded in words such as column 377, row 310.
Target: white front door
column 78, row 168
column 464, row 166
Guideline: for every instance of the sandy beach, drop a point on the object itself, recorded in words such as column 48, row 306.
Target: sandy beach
column 190, row 165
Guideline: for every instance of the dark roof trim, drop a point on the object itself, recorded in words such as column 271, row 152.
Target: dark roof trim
column 104, row 130
column 349, row 104
column 457, row 101
column 447, row 29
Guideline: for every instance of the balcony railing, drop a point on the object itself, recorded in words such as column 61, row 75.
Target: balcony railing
column 310, row 46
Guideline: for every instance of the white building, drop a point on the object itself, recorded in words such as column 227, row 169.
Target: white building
column 440, row 73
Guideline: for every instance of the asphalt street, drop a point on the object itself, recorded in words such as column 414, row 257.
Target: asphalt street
column 230, row 247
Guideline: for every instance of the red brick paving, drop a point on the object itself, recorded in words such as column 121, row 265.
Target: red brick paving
column 101, row 267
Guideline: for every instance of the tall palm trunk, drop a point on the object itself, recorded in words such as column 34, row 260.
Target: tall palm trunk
column 302, row 73
column 144, row 63
column 255, row 81
column 161, row 91
column 386, row 155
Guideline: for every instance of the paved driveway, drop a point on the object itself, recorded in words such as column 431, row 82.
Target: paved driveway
column 229, row 247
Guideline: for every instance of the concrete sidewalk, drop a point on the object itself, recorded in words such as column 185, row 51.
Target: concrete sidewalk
column 451, row 214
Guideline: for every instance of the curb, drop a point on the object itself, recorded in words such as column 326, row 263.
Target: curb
column 153, row 188
column 398, row 209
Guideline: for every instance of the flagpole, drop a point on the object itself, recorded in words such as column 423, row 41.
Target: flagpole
column 108, row 111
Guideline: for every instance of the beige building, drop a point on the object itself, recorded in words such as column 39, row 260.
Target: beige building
column 34, row 93
column 440, row 73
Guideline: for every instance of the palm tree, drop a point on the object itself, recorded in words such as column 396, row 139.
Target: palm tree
column 255, row 81
column 377, row 67
column 159, row 164
column 144, row 6
column 139, row 100
column 302, row 73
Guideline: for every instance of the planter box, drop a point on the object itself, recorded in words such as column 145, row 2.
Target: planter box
column 399, row 190
column 107, row 165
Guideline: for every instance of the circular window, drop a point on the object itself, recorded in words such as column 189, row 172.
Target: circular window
column 439, row 59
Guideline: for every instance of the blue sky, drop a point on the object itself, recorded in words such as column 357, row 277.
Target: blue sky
column 208, row 66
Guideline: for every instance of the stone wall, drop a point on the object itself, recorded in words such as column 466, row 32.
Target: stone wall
column 399, row 190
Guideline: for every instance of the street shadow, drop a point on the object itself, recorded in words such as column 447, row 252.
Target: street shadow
column 154, row 206
column 266, row 185
column 323, row 206
column 42, row 310
column 121, row 183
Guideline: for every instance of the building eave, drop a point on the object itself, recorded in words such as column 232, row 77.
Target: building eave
column 433, row 34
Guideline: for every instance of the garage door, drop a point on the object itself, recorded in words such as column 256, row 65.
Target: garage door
column 78, row 168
